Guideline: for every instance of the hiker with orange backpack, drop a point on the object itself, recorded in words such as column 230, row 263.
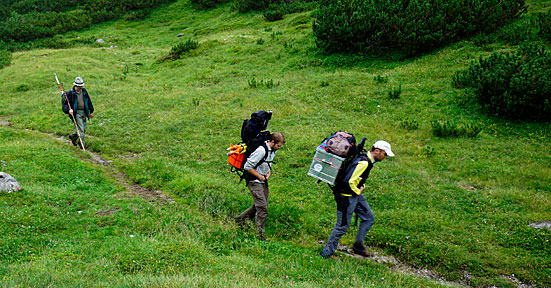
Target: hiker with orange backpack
column 257, row 171
column 348, row 193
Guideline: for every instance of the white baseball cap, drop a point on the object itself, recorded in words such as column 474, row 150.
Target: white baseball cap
column 385, row 146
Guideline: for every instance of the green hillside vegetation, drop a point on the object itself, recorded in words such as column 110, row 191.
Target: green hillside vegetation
column 457, row 199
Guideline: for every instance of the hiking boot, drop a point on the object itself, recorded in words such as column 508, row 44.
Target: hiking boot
column 262, row 238
column 362, row 253
column 74, row 139
column 334, row 257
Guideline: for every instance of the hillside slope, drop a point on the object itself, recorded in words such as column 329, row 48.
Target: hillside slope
column 458, row 206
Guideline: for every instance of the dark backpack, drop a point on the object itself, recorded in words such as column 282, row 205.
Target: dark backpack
column 253, row 135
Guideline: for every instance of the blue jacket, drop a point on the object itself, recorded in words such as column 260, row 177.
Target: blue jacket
column 73, row 99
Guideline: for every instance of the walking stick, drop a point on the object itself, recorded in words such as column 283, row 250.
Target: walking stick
column 72, row 115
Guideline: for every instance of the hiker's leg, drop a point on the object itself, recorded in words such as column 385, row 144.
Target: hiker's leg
column 343, row 222
column 81, row 125
column 249, row 213
column 259, row 193
column 363, row 211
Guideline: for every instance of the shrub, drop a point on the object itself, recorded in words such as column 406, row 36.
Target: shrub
column 179, row 49
column 253, row 83
column 205, row 4
column 410, row 27
column 251, row 5
column 395, row 93
column 409, row 124
column 544, row 23
column 31, row 19
column 136, row 15
column 515, row 85
column 379, row 79
column 275, row 12
column 452, row 129
column 5, row 58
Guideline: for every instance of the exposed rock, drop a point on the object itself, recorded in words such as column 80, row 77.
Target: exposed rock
column 540, row 225
column 100, row 41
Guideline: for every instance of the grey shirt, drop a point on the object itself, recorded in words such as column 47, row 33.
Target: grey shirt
column 256, row 157
column 80, row 100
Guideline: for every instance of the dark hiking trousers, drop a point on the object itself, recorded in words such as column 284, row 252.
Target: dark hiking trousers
column 346, row 207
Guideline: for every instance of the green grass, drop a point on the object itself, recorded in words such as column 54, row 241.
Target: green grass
column 448, row 204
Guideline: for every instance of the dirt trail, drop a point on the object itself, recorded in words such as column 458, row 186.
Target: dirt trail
column 118, row 176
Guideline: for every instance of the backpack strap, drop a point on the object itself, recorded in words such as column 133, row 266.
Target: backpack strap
column 263, row 160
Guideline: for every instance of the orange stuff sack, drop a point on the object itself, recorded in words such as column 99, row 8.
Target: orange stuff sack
column 236, row 160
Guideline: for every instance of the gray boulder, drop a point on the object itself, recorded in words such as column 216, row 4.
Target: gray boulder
column 8, row 183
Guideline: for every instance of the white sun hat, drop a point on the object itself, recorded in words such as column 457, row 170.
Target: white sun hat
column 79, row 82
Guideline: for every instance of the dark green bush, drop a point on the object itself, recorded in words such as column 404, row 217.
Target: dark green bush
column 251, row 5
column 181, row 48
column 205, row 4
column 515, row 85
column 533, row 27
column 275, row 12
column 409, row 124
column 5, row 58
column 452, row 129
column 544, row 21
column 411, row 27
column 178, row 50
column 27, row 20
column 136, row 15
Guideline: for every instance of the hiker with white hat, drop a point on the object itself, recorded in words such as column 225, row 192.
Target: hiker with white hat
column 81, row 109
column 349, row 196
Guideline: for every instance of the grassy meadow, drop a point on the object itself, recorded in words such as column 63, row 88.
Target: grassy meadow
column 460, row 206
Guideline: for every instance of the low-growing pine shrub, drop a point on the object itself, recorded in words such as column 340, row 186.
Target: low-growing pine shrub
column 27, row 20
column 408, row 27
column 395, row 93
column 206, row 4
column 179, row 49
column 275, row 12
column 409, row 124
column 253, row 83
column 452, row 129
column 379, row 79
column 251, row 5
column 515, row 85
column 544, row 21
column 5, row 58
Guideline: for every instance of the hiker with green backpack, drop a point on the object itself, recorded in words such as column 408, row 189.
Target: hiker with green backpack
column 348, row 193
column 257, row 171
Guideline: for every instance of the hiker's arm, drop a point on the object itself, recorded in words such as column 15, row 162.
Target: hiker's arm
column 256, row 174
column 252, row 163
column 355, row 178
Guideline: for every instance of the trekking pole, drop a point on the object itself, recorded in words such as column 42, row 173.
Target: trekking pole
column 72, row 115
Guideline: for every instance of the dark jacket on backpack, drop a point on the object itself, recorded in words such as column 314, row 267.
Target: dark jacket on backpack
column 355, row 176
column 71, row 95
